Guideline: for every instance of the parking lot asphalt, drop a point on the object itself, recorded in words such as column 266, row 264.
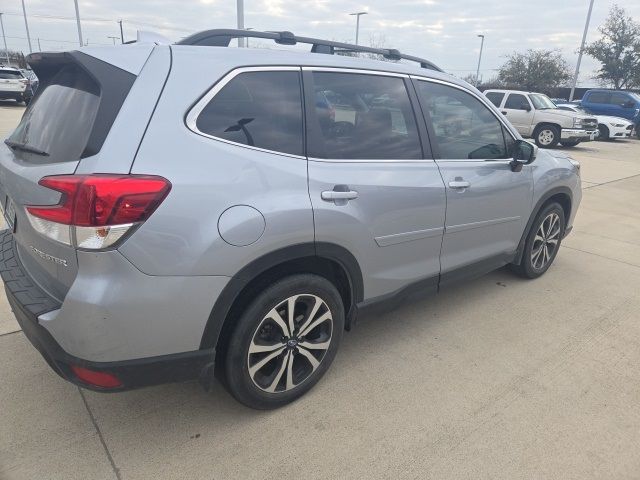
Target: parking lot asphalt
column 498, row 378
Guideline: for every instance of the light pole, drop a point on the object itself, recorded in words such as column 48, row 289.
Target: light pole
column 121, row 32
column 357, row 15
column 479, row 60
column 6, row 50
column 26, row 25
column 584, row 39
column 78, row 22
column 240, row 5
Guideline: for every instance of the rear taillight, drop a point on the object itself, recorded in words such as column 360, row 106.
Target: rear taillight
column 95, row 211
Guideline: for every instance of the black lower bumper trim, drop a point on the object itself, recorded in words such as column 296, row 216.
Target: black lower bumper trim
column 28, row 301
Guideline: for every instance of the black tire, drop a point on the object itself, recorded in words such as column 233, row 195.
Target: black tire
column 527, row 267
column 568, row 143
column 603, row 133
column 251, row 390
column 547, row 136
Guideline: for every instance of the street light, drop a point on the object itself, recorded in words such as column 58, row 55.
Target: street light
column 240, row 7
column 26, row 26
column 4, row 38
column 479, row 60
column 584, row 38
column 357, row 15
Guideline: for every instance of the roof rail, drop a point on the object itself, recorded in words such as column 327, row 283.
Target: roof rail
column 222, row 38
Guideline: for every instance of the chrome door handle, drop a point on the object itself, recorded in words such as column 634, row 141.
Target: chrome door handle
column 459, row 184
column 332, row 195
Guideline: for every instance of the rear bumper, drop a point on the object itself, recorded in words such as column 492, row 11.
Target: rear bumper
column 28, row 302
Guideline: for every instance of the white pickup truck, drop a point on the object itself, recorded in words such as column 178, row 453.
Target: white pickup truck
column 535, row 115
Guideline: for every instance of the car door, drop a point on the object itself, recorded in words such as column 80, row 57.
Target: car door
column 517, row 109
column 373, row 189
column 621, row 105
column 488, row 204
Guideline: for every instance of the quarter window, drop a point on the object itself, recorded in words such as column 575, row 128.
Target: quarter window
column 361, row 116
column 259, row 109
column 464, row 127
column 515, row 101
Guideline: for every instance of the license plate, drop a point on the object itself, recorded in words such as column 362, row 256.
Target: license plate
column 10, row 214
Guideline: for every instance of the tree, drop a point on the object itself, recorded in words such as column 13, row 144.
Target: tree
column 618, row 50
column 535, row 70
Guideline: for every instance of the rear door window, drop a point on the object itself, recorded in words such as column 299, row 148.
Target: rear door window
column 495, row 97
column 258, row 109
column 365, row 117
column 515, row 101
column 619, row 99
column 61, row 119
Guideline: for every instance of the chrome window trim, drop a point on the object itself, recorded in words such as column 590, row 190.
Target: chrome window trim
column 360, row 71
column 195, row 111
column 485, row 101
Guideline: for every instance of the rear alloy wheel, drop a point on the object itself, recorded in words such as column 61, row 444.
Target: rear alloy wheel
column 603, row 133
column 284, row 342
column 543, row 242
column 547, row 136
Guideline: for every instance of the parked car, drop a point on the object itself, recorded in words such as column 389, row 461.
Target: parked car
column 13, row 85
column 609, row 128
column 535, row 115
column 176, row 211
column 615, row 103
column 32, row 86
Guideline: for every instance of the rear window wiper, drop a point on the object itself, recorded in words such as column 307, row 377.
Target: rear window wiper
column 25, row 148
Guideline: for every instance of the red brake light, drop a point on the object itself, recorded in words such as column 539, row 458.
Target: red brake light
column 102, row 200
column 95, row 378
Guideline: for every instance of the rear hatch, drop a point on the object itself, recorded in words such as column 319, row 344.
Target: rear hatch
column 67, row 121
column 12, row 81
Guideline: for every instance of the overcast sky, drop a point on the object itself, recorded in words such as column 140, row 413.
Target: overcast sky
column 443, row 31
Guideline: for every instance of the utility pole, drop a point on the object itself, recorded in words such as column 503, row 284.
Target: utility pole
column 78, row 22
column 39, row 47
column 26, row 25
column 113, row 38
column 6, row 50
column 479, row 60
column 584, row 39
column 240, row 5
column 121, row 32
column 357, row 15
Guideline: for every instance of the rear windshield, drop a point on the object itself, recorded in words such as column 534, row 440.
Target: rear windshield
column 60, row 119
column 10, row 75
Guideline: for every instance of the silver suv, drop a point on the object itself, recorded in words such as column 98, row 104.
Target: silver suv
column 180, row 211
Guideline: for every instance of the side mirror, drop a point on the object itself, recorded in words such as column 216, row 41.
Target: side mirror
column 524, row 153
column 525, row 106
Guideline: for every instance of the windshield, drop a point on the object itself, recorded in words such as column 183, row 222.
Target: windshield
column 540, row 101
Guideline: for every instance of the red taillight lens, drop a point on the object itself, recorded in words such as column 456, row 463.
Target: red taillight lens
column 95, row 378
column 102, row 200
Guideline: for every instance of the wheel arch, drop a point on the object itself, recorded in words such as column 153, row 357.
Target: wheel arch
column 328, row 260
column 563, row 196
column 542, row 124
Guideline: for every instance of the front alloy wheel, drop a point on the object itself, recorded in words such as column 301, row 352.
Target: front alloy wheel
column 546, row 241
column 547, row 136
column 542, row 242
column 284, row 341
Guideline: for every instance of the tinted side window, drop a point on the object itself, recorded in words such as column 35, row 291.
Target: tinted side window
column 495, row 97
column 619, row 99
column 599, row 97
column 464, row 127
column 260, row 109
column 517, row 102
column 363, row 117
